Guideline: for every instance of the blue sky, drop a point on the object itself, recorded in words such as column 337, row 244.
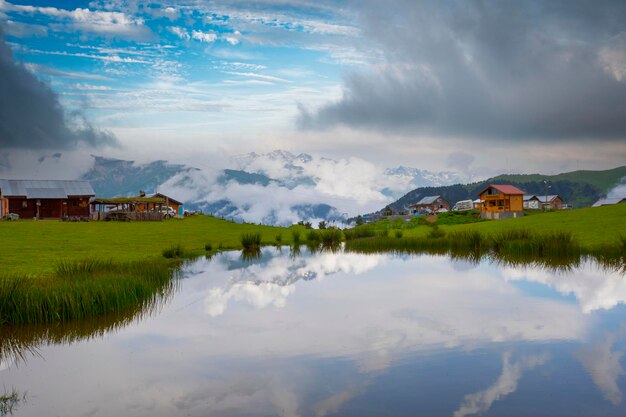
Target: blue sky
column 437, row 85
column 173, row 67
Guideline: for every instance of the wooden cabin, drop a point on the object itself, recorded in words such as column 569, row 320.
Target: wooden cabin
column 430, row 203
column 46, row 199
column 501, row 202
column 138, row 208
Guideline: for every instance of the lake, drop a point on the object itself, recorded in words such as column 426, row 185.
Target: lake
column 339, row 334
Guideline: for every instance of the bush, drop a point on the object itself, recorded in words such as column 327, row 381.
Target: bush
column 208, row 247
column 398, row 234
column 436, row 233
column 279, row 238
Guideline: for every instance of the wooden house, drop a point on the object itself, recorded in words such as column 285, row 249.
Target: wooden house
column 531, row 202
column 543, row 202
column 430, row 203
column 46, row 199
column 550, row 202
column 501, row 202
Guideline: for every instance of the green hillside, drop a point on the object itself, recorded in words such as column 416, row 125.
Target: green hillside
column 602, row 180
column 577, row 188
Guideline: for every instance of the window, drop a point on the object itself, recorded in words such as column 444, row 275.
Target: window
column 24, row 204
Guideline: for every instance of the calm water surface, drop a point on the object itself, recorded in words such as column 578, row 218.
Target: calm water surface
column 340, row 334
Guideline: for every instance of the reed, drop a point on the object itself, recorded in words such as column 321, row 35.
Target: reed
column 331, row 237
column 313, row 236
column 279, row 239
column 250, row 240
column 9, row 401
column 82, row 290
column 556, row 250
column 295, row 236
column 208, row 247
column 359, row 232
column 398, row 234
column 175, row 251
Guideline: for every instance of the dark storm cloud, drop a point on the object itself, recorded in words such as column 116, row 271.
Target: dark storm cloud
column 31, row 116
column 501, row 69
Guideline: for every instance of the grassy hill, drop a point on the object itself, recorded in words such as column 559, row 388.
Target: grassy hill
column 592, row 227
column 579, row 188
column 36, row 247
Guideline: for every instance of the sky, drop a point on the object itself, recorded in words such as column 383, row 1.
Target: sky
column 494, row 87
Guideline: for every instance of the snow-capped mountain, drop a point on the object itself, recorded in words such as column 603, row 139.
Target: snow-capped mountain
column 424, row 178
column 273, row 188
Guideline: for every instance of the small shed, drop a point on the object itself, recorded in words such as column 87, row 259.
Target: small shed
column 128, row 208
column 430, row 203
column 501, row 202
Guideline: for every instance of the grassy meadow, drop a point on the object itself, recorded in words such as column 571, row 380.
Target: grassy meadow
column 59, row 271
column 37, row 247
column 592, row 227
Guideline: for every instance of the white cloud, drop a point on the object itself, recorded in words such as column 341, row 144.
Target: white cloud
column 603, row 364
column 97, row 22
column 256, row 75
column 233, row 38
column 181, row 32
column 90, row 87
column 593, row 287
column 506, row 384
column 23, row 30
column 207, row 37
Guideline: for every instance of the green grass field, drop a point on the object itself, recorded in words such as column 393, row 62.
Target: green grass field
column 36, row 247
column 58, row 271
column 592, row 227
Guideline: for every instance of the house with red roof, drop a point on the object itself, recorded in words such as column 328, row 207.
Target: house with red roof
column 501, row 202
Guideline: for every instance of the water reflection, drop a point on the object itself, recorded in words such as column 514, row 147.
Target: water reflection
column 480, row 402
column 17, row 344
column 339, row 333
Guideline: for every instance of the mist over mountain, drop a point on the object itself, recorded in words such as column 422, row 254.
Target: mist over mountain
column 273, row 188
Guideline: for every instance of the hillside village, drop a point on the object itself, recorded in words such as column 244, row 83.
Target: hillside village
column 77, row 201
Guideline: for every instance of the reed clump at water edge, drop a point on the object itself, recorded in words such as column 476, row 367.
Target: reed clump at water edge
column 250, row 241
column 555, row 249
column 84, row 289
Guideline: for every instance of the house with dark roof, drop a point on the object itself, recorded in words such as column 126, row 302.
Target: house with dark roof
column 432, row 203
column 501, row 202
column 531, row 202
column 543, row 202
column 46, row 199
column 609, row 201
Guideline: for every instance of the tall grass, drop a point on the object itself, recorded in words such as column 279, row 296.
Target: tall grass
column 295, row 235
column 82, row 290
column 554, row 250
column 175, row 251
column 359, row 232
column 330, row 237
column 250, row 240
